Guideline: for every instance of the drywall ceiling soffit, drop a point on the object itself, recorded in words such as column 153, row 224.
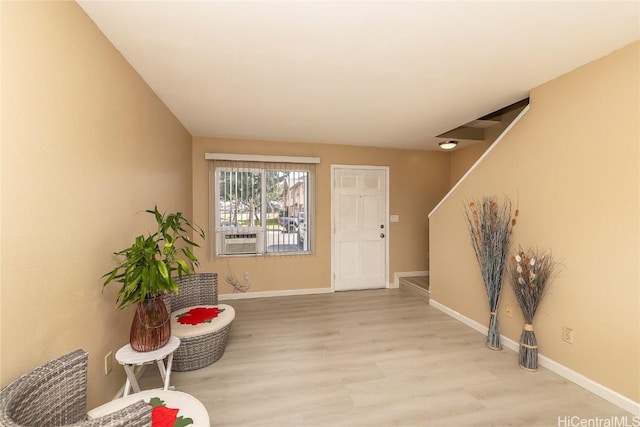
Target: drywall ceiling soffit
column 389, row 74
column 476, row 130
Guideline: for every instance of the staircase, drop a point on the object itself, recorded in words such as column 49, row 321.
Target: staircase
column 418, row 286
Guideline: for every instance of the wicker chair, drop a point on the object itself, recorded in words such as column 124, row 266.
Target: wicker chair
column 201, row 350
column 55, row 394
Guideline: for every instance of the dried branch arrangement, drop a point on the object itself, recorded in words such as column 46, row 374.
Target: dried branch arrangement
column 530, row 273
column 489, row 225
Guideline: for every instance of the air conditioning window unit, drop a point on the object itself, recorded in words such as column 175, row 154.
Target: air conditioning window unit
column 240, row 241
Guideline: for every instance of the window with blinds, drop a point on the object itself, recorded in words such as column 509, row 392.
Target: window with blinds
column 262, row 205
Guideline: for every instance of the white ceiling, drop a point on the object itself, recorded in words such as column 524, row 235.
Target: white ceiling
column 375, row 73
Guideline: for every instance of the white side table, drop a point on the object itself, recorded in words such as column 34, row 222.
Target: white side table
column 129, row 358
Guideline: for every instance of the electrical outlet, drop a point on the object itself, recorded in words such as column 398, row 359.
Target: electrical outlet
column 108, row 363
column 509, row 311
column 567, row 335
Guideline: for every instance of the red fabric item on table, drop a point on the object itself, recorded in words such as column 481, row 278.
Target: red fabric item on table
column 161, row 416
column 198, row 315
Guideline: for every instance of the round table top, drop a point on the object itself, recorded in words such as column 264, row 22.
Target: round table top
column 225, row 317
column 188, row 406
column 128, row 356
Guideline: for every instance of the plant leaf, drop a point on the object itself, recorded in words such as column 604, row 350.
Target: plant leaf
column 156, row 401
column 162, row 268
column 181, row 421
column 146, row 267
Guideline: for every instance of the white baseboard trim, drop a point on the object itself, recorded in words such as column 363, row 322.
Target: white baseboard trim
column 398, row 275
column 571, row 375
column 267, row 294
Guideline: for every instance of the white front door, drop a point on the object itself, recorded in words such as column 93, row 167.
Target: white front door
column 359, row 207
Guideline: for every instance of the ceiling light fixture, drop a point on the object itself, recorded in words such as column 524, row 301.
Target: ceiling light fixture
column 448, row 145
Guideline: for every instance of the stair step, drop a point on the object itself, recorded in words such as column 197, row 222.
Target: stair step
column 418, row 286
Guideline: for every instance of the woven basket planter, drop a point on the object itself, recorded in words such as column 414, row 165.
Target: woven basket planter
column 198, row 352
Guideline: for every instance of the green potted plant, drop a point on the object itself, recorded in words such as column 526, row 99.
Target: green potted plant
column 146, row 271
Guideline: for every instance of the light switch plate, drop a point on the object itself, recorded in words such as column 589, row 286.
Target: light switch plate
column 394, row 218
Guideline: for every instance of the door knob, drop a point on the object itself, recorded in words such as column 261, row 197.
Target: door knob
column 381, row 234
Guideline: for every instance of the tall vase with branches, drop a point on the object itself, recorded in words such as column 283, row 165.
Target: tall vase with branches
column 530, row 272
column 489, row 224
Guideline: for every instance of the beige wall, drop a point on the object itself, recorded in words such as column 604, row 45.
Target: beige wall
column 417, row 179
column 462, row 159
column 86, row 145
column 573, row 163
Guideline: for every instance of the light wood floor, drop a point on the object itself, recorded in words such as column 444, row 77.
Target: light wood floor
column 372, row 358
